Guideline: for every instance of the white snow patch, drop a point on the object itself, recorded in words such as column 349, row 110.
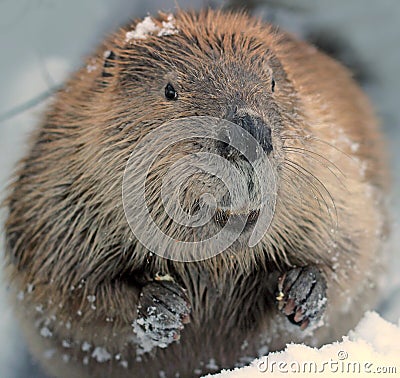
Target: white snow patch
column 168, row 27
column 148, row 27
column 101, row 354
column 91, row 67
column 91, row 298
column 21, row 296
column 244, row 345
column 146, row 328
column 39, row 308
column 263, row 350
column 107, row 54
column 142, row 30
column 212, row 365
column 372, row 347
column 354, row 147
column 86, row 346
column 344, row 138
column 45, row 332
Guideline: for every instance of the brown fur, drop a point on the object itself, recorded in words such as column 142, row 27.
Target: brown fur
column 67, row 236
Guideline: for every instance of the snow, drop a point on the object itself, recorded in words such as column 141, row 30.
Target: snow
column 101, row 354
column 85, row 346
column 66, row 344
column 148, row 27
column 107, row 54
column 45, row 332
column 212, row 364
column 142, row 30
column 146, row 330
column 372, row 347
column 91, row 298
column 45, row 59
column 168, row 27
column 91, row 67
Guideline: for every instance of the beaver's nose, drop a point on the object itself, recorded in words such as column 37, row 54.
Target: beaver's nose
column 234, row 143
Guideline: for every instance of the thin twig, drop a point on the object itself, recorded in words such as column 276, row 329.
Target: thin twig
column 29, row 104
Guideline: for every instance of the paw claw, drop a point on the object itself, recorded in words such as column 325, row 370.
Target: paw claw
column 299, row 315
column 302, row 295
column 305, row 324
column 290, row 306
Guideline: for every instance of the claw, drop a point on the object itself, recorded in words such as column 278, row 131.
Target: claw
column 304, row 324
column 299, row 315
column 300, row 291
column 290, row 306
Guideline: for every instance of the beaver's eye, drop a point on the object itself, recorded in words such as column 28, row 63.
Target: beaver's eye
column 170, row 92
column 273, row 85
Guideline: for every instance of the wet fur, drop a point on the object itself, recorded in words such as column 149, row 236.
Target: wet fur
column 66, row 232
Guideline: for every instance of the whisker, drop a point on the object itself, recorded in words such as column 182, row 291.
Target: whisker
column 309, row 137
column 309, row 154
column 334, row 223
column 307, row 172
column 300, row 176
column 304, row 150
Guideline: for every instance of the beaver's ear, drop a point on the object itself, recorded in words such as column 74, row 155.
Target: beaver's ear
column 109, row 62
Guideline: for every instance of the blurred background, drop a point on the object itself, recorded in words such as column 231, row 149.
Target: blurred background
column 43, row 41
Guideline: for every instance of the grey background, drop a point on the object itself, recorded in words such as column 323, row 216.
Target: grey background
column 42, row 41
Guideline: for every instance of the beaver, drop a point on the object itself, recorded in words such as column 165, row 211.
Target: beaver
column 94, row 301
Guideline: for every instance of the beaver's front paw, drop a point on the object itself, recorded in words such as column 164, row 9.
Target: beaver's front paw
column 302, row 295
column 163, row 309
